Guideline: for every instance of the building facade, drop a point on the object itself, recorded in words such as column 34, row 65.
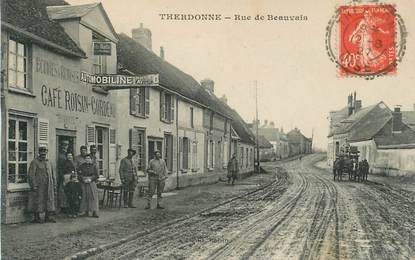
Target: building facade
column 44, row 101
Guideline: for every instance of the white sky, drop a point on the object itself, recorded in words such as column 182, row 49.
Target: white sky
column 298, row 84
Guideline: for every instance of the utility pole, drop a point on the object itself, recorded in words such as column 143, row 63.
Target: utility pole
column 257, row 123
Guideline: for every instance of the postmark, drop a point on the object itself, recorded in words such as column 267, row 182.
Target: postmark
column 366, row 40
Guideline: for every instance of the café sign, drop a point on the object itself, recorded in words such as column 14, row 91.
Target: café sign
column 102, row 48
column 116, row 81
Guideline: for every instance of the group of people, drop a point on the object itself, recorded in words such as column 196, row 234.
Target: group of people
column 73, row 189
column 354, row 167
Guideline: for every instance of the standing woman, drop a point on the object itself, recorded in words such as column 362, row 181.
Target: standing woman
column 88, row 174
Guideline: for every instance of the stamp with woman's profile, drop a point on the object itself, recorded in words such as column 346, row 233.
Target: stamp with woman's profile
column 371, row 40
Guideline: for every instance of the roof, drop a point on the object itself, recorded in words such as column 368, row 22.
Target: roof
column 263, row 142
column 271, row 134
column 136, row 58
column 28, row 19
column 295, row 136
column 241, row 128
column 408, row 117
column 365, row 128
column 396, row 139
column 70, row 11
column 64, row 12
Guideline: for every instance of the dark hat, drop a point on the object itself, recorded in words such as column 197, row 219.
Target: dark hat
column 92, row 146
column 157, row 151
column 131, row 150
column 83, row 147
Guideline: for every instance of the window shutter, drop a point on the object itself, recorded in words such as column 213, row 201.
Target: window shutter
column 90, row 135
column 112, row 154
column 162, row 105
column 172, row 108
column 147, row 98
column 134, row 141
column 43, row 132
column 133, row 101
column 180, row 152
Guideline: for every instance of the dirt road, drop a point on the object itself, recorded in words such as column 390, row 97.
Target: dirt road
column 302, row 214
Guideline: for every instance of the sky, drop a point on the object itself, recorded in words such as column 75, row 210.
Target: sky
column 297, row 83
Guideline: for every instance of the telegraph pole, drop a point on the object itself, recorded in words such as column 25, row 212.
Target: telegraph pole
column 257, row 123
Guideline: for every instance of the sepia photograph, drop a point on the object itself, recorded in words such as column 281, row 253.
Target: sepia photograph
column 194, row 129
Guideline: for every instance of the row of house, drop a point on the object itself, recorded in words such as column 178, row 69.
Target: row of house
column 385, row 137
column 274, row 144
column 45, row 50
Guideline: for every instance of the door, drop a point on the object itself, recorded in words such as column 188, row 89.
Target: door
column 102, row 144
column 185, row 153
column 168, row 151
column 154, row 145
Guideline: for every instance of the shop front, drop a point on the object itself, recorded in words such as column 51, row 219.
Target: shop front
column 51, row 107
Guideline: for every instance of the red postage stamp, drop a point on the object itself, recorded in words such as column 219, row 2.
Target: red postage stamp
column 367, row 40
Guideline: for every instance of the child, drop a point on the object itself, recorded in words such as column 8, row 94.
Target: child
column 73, row 193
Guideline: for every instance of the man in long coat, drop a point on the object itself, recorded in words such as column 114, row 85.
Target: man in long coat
column 60, row 167
column 128, row 176
column 42, row 181
column 233, row 168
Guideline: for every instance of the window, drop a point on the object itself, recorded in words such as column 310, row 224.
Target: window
column 191, row 118
column 247, row 158
column 19, row 155
column 99, row 62
column 194, row 155
column 137, row 144
column 168, row 151
column 211, row 154
column 166, row 107
column 140, row 101
column 241, row 158
column 18, row 65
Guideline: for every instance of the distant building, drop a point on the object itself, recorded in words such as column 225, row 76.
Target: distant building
column 266, row 149
column 382, row 136
column 298, row 143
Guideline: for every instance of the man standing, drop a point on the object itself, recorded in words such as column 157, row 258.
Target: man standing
column 42, row 181
column 80, row 159
column 157, row 174
column 93, row 154
column 233, row 168
column 128, row 175
column 61, row 164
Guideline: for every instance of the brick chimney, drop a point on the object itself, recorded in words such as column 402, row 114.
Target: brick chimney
column 357, row 105
column 143, row 36
column 397, row 119
column 209, row 85
column 162, row 52
column 272, row 124
column 350, row 104
column 265, row 123
column 224, row 99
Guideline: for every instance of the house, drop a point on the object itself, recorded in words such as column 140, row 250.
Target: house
column 179, row 117
column 298, row 143
column 276, row 137
column 381, row 136
column 243, row 141
column 44, row 102
column 266, row 149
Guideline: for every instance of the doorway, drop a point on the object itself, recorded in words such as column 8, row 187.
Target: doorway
column 154, row 145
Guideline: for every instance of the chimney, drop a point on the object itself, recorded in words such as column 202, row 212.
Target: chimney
column 224, row 99
column 209, row 85
column 142, row 36
column 265, row 123
column 357, row 105
column 397, row 119
column 272, row 124
column 162, row 52
column 350, row 105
